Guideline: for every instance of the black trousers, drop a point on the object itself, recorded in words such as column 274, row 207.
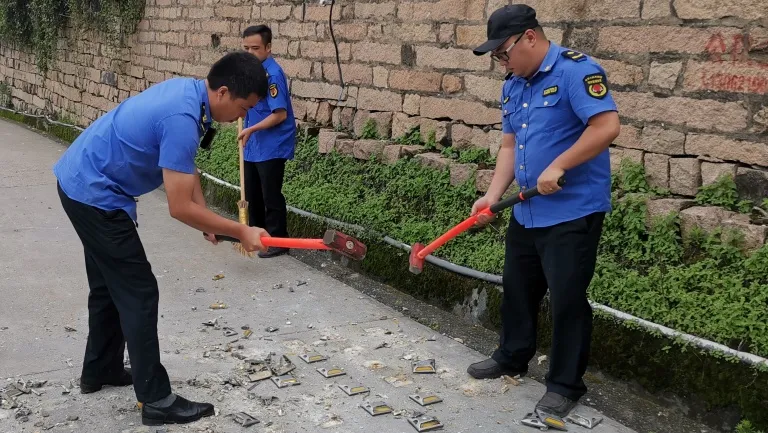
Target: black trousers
column 123, row 300
column 561, row 258
column 264, row 194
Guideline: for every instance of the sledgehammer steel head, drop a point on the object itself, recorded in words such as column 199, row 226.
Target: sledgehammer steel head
column 345, row 244
column 416, row 264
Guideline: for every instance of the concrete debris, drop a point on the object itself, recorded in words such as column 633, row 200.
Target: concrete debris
column 398, row 381
column 514, row 381
column 407, row 413
column 72, row 417
column 333, row 421
column 542, row 359
column 374, row 365
column 233, row 380
column 271, row 329
column 267, row 401
column 300, row 283
column 212, row 322
column 459, row 340
column 22, row 414
column 196, row 382
column 8, row 403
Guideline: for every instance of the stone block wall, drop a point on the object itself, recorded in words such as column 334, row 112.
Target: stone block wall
column 690, row 76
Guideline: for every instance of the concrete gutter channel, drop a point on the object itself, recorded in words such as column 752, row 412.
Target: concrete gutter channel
column 363, row 327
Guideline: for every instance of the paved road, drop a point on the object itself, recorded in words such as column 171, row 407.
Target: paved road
column 43, row 290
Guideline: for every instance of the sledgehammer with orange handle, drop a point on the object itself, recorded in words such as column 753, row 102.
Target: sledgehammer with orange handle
column 419, row 252
column 332, row 240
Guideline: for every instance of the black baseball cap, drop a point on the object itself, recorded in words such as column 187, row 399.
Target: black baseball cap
column 505, row 22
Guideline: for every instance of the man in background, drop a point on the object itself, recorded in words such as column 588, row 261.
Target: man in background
column 269, row 134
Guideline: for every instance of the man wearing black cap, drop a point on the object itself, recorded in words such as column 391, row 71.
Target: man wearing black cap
column 559, row 119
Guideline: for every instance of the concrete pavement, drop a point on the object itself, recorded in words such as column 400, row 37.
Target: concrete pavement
column 44, row 322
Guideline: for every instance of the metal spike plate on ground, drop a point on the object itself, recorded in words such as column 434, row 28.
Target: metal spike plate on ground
column 280, row 365
column 425, row 400
column 354, row 390
column 331, row 372
column 552, row 421
column 425, row 423
column 377, row 408
column 589, row 423
column 261, row 375
column 424, row 367
column 310, row 358
column 285, row 380
column 244, row 419
column 532, row 420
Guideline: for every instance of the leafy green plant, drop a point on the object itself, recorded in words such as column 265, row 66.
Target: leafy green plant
column 630, row 178
column 370, row 130
column 475, row 155
column 115, row 19
column 410, row 138
column 746, row 427
column 431, row 142
column 36, row 24
column 5, row 95
column 222, row 158
column 723, row 193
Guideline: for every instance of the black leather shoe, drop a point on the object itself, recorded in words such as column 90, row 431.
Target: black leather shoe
column 273, row 252
column 182, row 411
column 490, row 369
column 123, row 379
column 555, row 404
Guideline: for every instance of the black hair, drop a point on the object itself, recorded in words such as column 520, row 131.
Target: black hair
column 262, row 30
column 241, row 72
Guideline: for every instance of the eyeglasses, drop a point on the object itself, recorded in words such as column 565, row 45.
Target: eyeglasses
column 504, row 56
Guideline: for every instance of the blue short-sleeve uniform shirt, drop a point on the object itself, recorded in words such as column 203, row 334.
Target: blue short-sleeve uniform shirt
column 280, row 140
column 548, row 113
column 121, row 155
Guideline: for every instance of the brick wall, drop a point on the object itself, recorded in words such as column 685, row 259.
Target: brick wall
column 690, row 76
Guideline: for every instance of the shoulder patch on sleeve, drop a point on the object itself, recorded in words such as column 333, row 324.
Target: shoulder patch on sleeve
column 574, row 55
column 273, row 90
column 596, row 85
